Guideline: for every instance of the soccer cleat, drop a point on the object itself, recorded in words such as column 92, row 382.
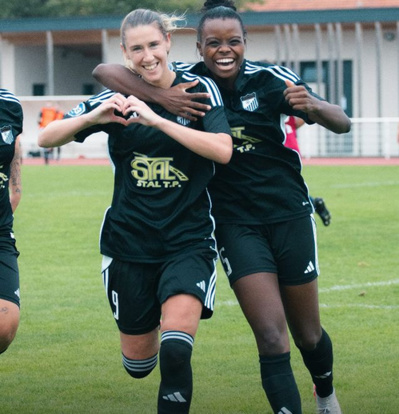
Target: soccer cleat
column 322, row 211
column 327, row 405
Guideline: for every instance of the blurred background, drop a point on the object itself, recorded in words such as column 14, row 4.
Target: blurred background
column 347, row 50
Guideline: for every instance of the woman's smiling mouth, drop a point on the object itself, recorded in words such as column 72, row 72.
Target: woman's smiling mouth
column 150, row 67
column 225, row 61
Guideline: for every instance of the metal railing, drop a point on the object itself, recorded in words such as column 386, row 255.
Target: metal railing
column 369, row 137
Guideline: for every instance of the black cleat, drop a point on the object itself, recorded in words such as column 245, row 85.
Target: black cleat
column 322, row 211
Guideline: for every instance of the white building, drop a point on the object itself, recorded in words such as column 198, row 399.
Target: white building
column 349, row 56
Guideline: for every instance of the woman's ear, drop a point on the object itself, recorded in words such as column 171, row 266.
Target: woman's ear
column 126, row 59
column 123, row 51
column 199, row 49
column 168, row 43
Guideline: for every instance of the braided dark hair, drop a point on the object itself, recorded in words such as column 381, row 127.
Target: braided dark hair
column 211, row 4
column 218, row 9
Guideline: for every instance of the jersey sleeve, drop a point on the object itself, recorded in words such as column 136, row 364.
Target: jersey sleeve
column 280, row 75
column 86, row 107
column 215, row 119
column 11, row 115
column 198, row 68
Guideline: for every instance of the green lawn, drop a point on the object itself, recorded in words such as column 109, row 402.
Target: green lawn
column 66, row 358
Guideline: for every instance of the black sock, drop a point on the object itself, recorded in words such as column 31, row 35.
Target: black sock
column 176, row 387
column 319, row 362
column 139, row 368
column 279, row 383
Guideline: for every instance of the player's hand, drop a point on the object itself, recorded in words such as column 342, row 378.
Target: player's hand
column 109, row 111
column 139, row 112
column 185, row 104
column 299, row 98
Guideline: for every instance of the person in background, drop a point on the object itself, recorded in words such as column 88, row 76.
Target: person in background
column 11, row 120
column 159, row 253
column 265, row 227
column 59, row 115
column 292, row 124
column 49, row 113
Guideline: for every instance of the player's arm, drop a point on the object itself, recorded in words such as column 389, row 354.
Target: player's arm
column 15, row 185
column 61, row 132
column 176, row 99
column 217, row 147
column 323, row 113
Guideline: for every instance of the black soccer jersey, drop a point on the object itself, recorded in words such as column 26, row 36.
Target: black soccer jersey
column 160, row 203
column 262, row 183
column 11, row 119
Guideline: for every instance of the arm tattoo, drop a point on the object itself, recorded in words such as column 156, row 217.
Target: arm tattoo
column 15, row 176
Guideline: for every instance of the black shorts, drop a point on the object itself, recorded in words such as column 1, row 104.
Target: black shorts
column 288, row 249
column 136, row 291
column 9, row 273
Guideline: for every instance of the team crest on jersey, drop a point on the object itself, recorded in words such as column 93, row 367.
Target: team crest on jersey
column 183, row 121
column 250, row 102
column 6, row 135
column 78, row 110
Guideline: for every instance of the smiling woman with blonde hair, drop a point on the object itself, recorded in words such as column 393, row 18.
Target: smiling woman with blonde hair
column 159, row 253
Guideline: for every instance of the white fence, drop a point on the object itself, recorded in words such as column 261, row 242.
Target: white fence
column 369, row 137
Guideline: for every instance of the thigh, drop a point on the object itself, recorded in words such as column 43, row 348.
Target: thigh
column 244, row 250
column 131, row 291
column 9, row 321
column 140, row 346
column 181, row 313
column 302, row 310
column 260, row 301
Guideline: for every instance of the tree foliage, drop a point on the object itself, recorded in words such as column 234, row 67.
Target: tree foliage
column 62, row 8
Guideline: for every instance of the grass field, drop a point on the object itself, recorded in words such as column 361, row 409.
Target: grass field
column 66, row 359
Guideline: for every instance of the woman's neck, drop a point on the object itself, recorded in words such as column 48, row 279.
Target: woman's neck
column 167, row 80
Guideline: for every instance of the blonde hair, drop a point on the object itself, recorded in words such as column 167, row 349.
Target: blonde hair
column 166, row 23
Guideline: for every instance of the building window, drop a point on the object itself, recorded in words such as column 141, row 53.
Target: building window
column 39, row 89
column 88, row 89
column 308, row 72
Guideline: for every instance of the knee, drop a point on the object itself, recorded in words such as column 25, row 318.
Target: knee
column 308, row 340
column 139, row 368
column 6, row 337
column 9, row 322
column 176, row 347
column 176, row 350
column 272, row 341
